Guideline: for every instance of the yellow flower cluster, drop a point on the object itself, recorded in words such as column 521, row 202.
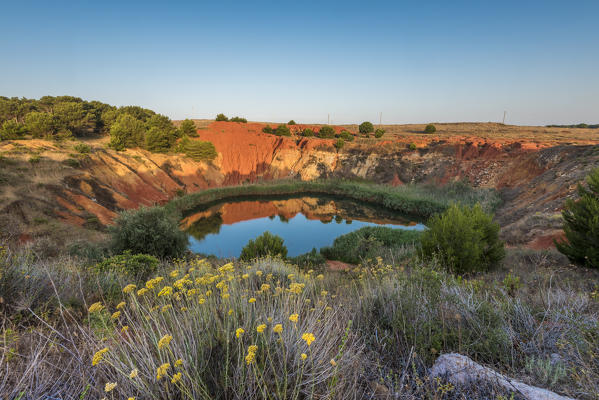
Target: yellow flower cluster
column 99, row 356
column 164, row 341
column 261, row 328
column 239, row 332
column 278, row 328
column 166, row 291
column 162, row 370
column 96, row 307
column 129, row 288
column 308, row 338
column 251, row 356
column 293, row 318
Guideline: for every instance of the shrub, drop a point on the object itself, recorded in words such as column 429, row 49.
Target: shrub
column 148, row 230
column 368, row 242
column 347, row 136
column 291, row 122
column 326, row 132
column 430, row 128
column 127, row 131
column 34, row 159
column 158, row 141
column 139, row 266
column 198, row 150
column 308, row 132
column 339, row 144
column 379, row 133
column 71, row 162
column 188, row 128
column 311, row 260
column 266, row 244
column 465, row 239
column 282, row 130
column 12, row 130
column 83, row 148
column 238, row 119
column 221, row 117
column 412, row 146
column 581, row 225
column 366, row 128
column 267, row 129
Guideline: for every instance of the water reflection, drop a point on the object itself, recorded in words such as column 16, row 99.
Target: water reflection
column 304, row 222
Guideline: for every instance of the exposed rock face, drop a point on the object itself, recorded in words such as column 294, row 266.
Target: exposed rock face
column 461, row 370
column 533, row 180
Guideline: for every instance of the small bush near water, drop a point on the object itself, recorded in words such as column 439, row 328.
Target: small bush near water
column 264, row 245
column 368, row 243
column 465, row 239
column 148, row 230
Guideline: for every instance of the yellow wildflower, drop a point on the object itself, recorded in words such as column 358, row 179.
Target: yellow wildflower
column 115, row 315
column 239, row 332
column 96, row 307
column 164, row 341
column 261, row 328
column 183, row 308
column 293, row 318
column 269, row 319
column 320, row 277
column 251, row 356
column 174, row 273
column 176, row 377
column 333, row 363
column 129, row 288
column 308, row 338
column 230, row 311
column 131, row 398
column 324, row 293
column 109, row 386
column 121, row 305
column 296, row 287
column 225, row 296
column 178, row 363
column 252, row 300
column 161, row 371
column 304, row 356
column 291, row 277
column 166, row 307
column 142, row 291
column 278, row 328
column 125, row 328
column 245, row 276
column 166, row 291
column 259, row 273
column 208, row 293
column 265, row 287
column 253, row 348
column 99, row 355
column 202, row 300
column 134, row 373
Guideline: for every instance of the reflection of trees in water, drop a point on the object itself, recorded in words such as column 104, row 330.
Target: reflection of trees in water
column 204, row 226
column 325, row 209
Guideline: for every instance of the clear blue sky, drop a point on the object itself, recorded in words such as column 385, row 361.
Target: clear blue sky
column 413, row 61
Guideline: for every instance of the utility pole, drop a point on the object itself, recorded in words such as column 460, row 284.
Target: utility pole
column 328, row 119
column 381, row 120
column 504, row 114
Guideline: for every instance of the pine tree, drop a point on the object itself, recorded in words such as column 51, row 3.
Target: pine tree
column 581, row 225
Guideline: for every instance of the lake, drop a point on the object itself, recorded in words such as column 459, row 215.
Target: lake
column 222, row 229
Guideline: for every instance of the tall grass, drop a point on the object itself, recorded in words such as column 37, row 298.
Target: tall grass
column 419, row 200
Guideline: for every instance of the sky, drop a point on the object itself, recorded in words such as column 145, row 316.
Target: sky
column 412, row 61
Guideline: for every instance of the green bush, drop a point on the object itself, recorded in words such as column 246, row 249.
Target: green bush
column 148, row 230
column 308, row 132
column 326, row 132
column 12, row 130
column 83, row 148
column 238, row 119
column 430, row 128
column 188, row 128
column 282, row 130
column 291, row 122
column 71, row 162
column 34, row 159
column 266, row 244
column 339, row 144
column 347, row 136
column 267, row 129
column 127, row 131
column 198, row 150
column 311, row 260
column 221, row 117
column 158, row 141
column 368, row 242
column 465, row 239
column 366, row 128
column 412, row 146
column 581, row 225
column 139, row 266
column 379, row 133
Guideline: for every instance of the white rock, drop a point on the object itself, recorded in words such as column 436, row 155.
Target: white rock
column 461, row 370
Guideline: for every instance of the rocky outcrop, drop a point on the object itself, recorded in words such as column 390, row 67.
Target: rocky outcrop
column 461, row 371
column 534, row 179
